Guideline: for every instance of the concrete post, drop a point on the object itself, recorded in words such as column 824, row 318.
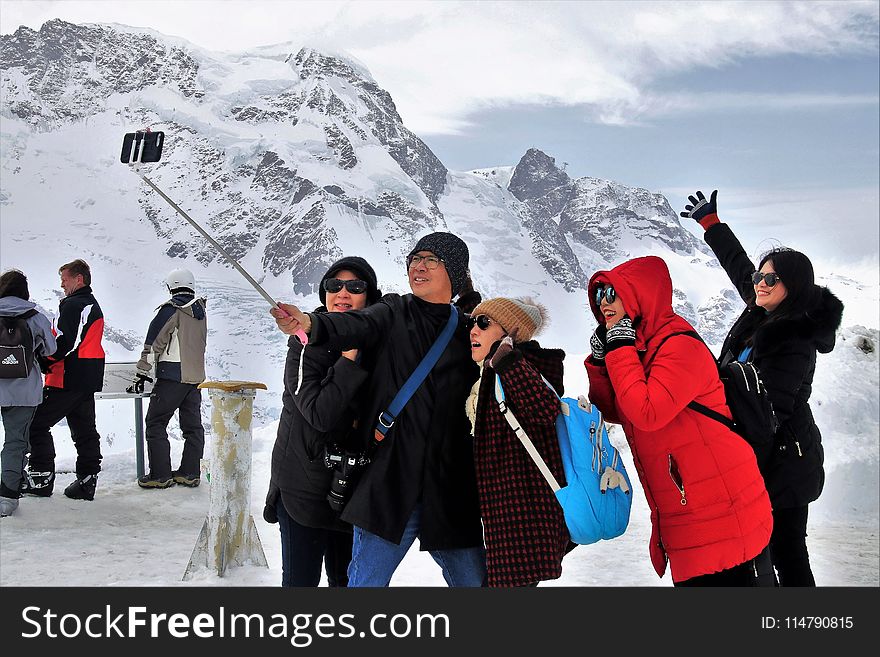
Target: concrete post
column 229, row 536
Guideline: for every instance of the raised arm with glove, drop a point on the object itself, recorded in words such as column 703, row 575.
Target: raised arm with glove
column 701, row 210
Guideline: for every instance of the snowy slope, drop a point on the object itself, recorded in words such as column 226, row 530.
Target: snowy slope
column 133, row 537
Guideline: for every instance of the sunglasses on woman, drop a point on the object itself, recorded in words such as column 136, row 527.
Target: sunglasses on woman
column 334, row 285
column 770, row 278
column 482, row 321
column 607, row 292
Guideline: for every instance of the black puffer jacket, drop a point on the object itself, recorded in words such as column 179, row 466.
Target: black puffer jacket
column 428, row 453
column 323, row 410
column 784, row 351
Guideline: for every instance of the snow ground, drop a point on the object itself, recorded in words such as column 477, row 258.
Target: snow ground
column 133, row 537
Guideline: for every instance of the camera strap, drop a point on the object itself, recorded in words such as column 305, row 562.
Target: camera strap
column 387, row 417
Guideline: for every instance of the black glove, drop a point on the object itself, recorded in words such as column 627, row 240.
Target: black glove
column 622, row 334
column 137, row 385
column 700, row 207
column 597, row 344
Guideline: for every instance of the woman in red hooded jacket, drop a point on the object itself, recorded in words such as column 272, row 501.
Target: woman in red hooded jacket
column 710, row 511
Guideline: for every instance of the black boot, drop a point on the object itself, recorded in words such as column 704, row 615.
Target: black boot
column 82, row 488
column 38, row 483
column 150, row 480
column 185, row 480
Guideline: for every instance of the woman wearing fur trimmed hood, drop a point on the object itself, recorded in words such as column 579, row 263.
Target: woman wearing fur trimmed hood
column 524, row 528
column 788, row 319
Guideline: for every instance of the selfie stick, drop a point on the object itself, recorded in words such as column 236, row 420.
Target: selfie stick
column 300, row 334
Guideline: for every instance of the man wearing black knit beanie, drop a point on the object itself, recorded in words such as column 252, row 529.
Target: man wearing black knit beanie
column 420, row 482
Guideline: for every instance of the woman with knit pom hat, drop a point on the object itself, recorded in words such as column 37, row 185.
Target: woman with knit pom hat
column 524, row 528
column 323, row 389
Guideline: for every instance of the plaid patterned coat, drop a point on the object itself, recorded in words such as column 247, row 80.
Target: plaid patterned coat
column 524, row 529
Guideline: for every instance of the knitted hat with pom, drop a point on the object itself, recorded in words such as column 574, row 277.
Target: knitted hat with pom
column 524, row 315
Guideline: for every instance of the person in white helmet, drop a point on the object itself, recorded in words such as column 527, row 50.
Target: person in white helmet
column 174, row 352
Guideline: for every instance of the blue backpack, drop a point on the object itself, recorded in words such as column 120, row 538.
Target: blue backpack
column 597, row 499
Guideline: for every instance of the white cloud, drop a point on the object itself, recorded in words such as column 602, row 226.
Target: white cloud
column 444, row 60
column 837, row 226
column 650, row 106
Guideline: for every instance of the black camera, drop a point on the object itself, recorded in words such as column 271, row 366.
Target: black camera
column 346, row 466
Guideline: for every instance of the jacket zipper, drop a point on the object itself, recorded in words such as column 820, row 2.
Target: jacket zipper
column 796, row 442
column 675, row 475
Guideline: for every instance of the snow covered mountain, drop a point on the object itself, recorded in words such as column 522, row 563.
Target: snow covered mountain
column 292, row 159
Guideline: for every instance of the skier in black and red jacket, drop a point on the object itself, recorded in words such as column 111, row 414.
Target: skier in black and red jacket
column 74, row 373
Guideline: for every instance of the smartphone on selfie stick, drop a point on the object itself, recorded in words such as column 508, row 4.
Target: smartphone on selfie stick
column 145, row 146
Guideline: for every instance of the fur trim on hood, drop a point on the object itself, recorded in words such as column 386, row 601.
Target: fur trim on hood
column 818, row 325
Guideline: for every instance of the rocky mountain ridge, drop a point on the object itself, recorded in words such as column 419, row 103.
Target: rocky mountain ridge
column 292, row 159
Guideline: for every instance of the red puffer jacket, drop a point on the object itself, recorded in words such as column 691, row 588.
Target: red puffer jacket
column 709, row 507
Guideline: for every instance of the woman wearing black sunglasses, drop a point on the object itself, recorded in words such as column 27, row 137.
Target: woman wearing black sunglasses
column 322, row 393
column 788, row 319
column 523, row 526
column 710, row 513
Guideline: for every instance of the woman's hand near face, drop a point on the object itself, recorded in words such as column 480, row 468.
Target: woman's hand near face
column 621, row 334
column 504, row 348
column 351, row 354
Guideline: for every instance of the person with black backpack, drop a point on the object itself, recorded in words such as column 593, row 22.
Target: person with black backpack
column 788, row 319
column 24, row 334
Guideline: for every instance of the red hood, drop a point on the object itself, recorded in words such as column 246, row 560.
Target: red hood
column 644, row 287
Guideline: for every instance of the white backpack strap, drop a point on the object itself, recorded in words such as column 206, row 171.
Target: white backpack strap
column 551, row 387
column 523, row 437
column 299, row 373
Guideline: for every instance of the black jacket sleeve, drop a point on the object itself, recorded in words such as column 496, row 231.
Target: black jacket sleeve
column 733, row 259
column 67, row 326
column 355, row 329
column 325, row 395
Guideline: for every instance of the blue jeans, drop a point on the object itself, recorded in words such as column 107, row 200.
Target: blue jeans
column 374, row 560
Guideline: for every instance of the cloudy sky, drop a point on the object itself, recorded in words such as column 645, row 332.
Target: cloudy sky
column 774, row 103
